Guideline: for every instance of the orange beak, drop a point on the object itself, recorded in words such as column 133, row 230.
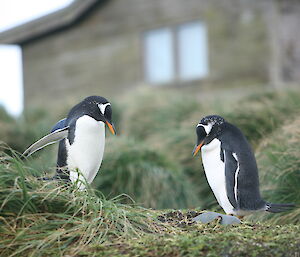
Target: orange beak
column 111, row 128
column 197, row 148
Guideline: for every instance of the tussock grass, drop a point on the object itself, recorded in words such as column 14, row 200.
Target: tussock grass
column 279, row 161
column 157, row 136
column 148, row 112
column 22, row 132
column 260, row 114
column 133, row 168
column 166, row 121
column 51, row 219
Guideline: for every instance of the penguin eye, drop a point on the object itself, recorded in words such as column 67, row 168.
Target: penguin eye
column 107, row 113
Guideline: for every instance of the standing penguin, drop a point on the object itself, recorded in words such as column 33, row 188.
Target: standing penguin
column 81, row 138
column 230, row 168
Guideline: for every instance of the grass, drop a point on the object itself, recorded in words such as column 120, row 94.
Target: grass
column 151, row 162
column 279, row 159
column 21, row 133
column 260, row 114
column 211, row 240
column 49, row 219
column 149, row 113
column 135, row 169
column 164, row 123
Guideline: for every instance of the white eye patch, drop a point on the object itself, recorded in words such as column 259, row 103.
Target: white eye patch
column 102, row 107
column 207, row 127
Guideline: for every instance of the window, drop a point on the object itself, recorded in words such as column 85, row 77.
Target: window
column 159, row 56
column 11, row 79
column 192, row 51
column 176, row 53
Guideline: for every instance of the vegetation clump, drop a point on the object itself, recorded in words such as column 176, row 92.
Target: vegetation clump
column 133, row 168
column 279, row 159
column 49, row 218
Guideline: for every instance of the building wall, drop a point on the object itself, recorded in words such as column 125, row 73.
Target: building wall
column 104, row 53
column 289, row 39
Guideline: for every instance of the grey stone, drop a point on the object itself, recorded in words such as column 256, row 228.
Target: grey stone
column 210, row 216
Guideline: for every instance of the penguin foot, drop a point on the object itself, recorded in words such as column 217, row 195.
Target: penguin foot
column 210, row 216
column 45, row 179
column 56, row 178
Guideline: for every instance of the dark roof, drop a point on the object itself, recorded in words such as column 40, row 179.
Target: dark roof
column 50, row 23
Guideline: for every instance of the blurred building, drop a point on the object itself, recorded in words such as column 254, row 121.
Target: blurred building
column 108, row 47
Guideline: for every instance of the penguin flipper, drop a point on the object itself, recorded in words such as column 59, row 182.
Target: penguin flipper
column 52, row 138
column 231, row 172
column 59, row 125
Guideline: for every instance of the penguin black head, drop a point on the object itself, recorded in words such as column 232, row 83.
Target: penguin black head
column 99, row 108
column 207, row 129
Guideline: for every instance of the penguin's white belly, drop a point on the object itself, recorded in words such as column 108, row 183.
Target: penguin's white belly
column 215, row 173
column 86, row 153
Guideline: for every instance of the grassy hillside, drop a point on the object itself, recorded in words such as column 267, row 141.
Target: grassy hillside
column 50, row 219
column 156, row 136
column 149, row 165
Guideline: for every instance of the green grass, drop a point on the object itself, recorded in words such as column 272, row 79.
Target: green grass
column 261, row 113
column 151, row 162
column 279, row 160
column 164, row 121
column 135, row 169
column 51, row 219
column 211, row 240
column 148, row 113
column 20, row 133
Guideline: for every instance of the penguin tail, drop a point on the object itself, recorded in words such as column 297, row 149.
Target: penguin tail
column 279, row 207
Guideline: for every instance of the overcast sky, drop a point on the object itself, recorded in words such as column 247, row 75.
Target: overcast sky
column 14, row 13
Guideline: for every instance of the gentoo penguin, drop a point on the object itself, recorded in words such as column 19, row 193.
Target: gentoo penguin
column 230, row 168
column 81, row 138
